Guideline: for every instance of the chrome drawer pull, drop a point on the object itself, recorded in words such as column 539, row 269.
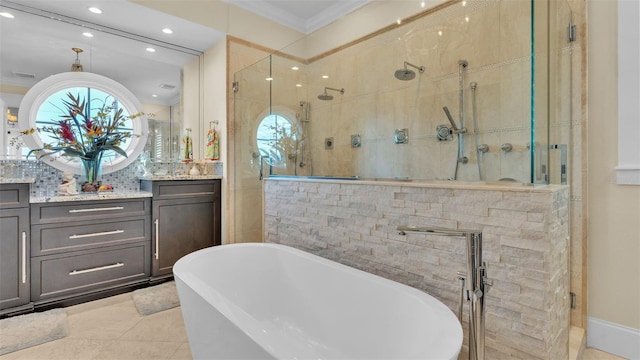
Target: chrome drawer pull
column 96, row 234
column 96, row 209
column 24, row 257
column 106, row 267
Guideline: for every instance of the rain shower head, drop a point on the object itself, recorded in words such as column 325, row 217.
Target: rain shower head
column 406, row 74
column 326, row 96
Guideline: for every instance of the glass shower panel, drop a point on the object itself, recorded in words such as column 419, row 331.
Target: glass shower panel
column 362, row 122
column 563, row 52
column 292, row 111
column 252, row 102
column 540, row 92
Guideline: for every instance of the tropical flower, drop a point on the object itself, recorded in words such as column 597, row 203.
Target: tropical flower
column 78, row 133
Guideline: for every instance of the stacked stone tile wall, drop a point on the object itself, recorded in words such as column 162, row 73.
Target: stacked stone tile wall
column 525, row 239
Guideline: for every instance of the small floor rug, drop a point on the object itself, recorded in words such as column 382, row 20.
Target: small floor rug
column 23, row 331
column 156, row 298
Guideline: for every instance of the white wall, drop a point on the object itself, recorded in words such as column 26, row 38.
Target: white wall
column 215, row 109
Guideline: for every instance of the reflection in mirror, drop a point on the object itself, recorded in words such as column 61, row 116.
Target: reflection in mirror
column 117, row 50
column 50, row 119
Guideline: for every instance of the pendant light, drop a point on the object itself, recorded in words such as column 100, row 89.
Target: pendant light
column 76, row 66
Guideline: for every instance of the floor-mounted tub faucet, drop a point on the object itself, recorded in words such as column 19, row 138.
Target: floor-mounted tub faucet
column 475, row 282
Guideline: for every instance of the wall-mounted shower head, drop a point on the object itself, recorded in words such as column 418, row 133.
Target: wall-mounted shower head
column 406, row 74
column 326, row 96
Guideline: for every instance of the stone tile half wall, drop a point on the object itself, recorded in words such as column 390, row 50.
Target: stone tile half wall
column 525, row 238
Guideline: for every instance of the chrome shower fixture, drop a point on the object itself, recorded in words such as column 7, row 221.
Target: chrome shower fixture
column 456, row 129
column 406, row 74
column 326, row 96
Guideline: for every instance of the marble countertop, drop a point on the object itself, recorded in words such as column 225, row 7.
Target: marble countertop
column 180, row 177
column 4, row 180
column 100, row 195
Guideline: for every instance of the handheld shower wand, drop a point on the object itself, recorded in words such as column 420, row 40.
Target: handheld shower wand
column 456, row 129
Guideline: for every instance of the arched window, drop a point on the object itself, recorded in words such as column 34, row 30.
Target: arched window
column 44, row 106
column 276, row 139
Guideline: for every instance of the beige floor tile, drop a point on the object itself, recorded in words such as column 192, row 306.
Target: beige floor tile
column 594, row 354
column 183, row 353
column 163, row 326
column 117, row 300
column 138, row 350
column 63, row 349
column 104, row 323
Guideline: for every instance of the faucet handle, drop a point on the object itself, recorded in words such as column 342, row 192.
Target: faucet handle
column 486, row 282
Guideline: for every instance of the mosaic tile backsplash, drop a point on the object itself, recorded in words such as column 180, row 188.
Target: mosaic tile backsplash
column 47, row 178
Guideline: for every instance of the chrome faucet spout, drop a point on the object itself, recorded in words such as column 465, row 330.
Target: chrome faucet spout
column 475, row 282
column 403, row 229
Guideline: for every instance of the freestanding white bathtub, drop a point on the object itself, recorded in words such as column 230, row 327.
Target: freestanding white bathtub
column 269, row 301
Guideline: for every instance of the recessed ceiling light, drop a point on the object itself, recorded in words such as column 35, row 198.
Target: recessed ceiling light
column 7, row 15
column 87, row 34
column 95, row 10
column 298, row 85
column 154, row 95
column 295, row 68
column 325, row 76
column 167, row 31
column 269, row 79
column 150, row 49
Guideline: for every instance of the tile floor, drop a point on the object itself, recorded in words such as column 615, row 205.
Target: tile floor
column 112, row 329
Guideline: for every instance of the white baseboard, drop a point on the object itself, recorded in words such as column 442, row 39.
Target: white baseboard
column 613, row 338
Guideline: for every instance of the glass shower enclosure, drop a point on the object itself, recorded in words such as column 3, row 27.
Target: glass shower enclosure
column 471, row 91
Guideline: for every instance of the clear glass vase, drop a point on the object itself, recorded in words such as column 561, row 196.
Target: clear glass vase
column 92, row 172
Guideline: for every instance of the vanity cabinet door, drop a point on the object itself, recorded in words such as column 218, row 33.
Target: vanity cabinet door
column 186, row 216
column 14, row 258
column 180, row 227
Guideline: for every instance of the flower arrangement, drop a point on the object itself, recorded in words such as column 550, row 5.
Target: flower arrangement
column 86, row 133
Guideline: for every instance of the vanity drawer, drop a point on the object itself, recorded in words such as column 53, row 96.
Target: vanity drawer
column 14, row 195
column 54, row 212
column 56, row 276
column 63, row 237
column 172, row 189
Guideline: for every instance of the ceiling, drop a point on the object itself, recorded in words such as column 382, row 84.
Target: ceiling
column 38, row 41
column 304, row 16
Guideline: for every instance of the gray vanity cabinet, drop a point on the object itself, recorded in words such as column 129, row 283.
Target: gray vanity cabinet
column 186, row 217
column 14, row 248
column 82, row 247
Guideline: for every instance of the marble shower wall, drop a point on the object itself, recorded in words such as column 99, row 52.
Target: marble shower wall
column 493, row 36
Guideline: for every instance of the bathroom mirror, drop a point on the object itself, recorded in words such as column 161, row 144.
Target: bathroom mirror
column 118, row 50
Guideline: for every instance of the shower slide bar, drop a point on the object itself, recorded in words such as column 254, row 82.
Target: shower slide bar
column 475, row 282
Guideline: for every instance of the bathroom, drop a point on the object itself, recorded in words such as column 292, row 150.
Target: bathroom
column 241, row 190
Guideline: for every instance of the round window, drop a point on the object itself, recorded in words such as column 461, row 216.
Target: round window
column 70, row 114
column 276, row 138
